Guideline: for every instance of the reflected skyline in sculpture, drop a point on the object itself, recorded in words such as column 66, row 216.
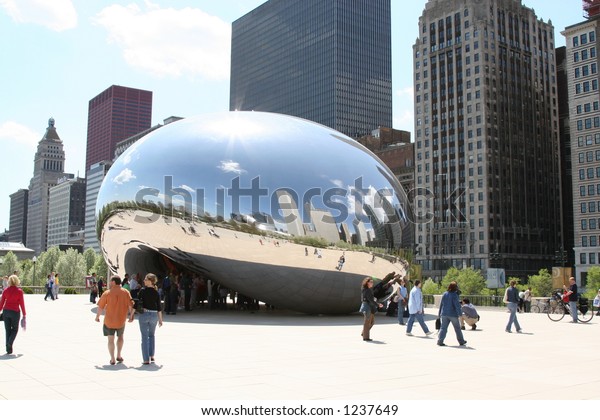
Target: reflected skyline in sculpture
column 253, row 176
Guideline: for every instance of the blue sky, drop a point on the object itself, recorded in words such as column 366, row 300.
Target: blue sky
column 58, row 54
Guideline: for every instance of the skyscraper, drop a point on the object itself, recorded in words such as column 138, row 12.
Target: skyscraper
column 584, row 126
column 48, row 167
column 18, row 216
column 66, row 211
column 327, row 61
column 115, row 114
column 486, row 132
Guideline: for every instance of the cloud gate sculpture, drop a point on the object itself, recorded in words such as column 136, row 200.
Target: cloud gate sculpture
column 262, row 203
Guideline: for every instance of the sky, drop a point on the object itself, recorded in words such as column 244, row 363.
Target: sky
column 59, row 54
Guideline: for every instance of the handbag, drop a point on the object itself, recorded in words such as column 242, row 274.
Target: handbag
column 1, row 316
column 438, row 323
column 138, row 306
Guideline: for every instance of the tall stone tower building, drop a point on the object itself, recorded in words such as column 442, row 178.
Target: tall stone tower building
column 48, row 167
column 486, row 138
column 327, row 61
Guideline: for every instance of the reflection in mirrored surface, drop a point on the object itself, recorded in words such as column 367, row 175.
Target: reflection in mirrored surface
column 261, row 203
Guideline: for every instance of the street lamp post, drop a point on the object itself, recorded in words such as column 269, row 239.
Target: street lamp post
column 34, row 260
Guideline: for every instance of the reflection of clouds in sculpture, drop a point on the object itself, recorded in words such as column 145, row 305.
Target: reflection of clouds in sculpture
column 231, row 166
column 187, row 188
column 130, row 153
column 124, row 176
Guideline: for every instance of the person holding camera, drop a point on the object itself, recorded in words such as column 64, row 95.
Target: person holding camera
column 368, row 307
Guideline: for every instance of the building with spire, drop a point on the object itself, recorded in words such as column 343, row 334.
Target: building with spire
column 486, row 138
column 48, row 168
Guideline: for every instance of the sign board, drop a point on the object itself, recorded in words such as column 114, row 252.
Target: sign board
column 560, row 277
column 496, row 278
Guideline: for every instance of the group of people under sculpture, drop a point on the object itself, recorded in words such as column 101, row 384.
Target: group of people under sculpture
column 451, row 311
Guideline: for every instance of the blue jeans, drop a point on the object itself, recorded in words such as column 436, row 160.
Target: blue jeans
column 11, row 325
column 148, row 321
column 512, row 307
column 400, row 312
column 446, row 320
column 411, row 321
column 573, row 309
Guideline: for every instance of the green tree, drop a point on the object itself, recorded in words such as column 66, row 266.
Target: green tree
column 90, row 259
column 10, row 264
column 100, row 267
column 71, row 266
column 430, row 287
column 46, row 263
column 593, row 282
column 469, row 280
column 541, row 283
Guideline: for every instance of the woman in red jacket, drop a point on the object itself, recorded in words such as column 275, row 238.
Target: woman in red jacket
column 12, row 303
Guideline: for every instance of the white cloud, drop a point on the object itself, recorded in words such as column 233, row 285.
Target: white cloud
column 231, row 166
column 57, row 15
column 169, row 42
column 15, row 132
column 338, row 183
column 125, row 176
column 187, row 188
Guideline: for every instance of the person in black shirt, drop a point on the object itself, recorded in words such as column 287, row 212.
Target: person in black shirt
column 368, row 307
column 152, row 315
column 571, row 292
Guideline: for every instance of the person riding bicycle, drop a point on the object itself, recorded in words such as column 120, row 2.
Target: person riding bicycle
column 571, row 292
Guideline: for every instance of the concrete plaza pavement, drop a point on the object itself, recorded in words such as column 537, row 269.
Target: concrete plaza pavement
column 277, row 355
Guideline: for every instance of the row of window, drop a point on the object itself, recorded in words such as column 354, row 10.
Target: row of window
column 590, row 173
column 588, row 107
column 584, row 54
column 586, row 70
column 587, row 123
column 592, row 258
column 589, row 224
column 590, row 207
column 589, row 190
column 588, row 140
column 586, row 86
column 584, row 38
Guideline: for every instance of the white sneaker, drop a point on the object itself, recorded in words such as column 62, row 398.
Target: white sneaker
column 409, row 334
column 428, row 333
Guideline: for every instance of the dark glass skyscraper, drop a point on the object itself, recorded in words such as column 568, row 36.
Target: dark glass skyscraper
column 328, row 61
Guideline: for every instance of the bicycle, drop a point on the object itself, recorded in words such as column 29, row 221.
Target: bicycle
column 558, row 309
column 540, row 307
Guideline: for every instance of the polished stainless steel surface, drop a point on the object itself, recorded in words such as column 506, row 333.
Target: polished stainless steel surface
column 262, row 203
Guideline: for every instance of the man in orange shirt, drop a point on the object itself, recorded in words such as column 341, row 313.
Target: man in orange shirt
column 117, row 304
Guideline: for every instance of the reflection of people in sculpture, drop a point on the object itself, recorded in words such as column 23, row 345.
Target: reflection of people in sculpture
column 341, row 262
column 381, row 289
column 373, row 258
